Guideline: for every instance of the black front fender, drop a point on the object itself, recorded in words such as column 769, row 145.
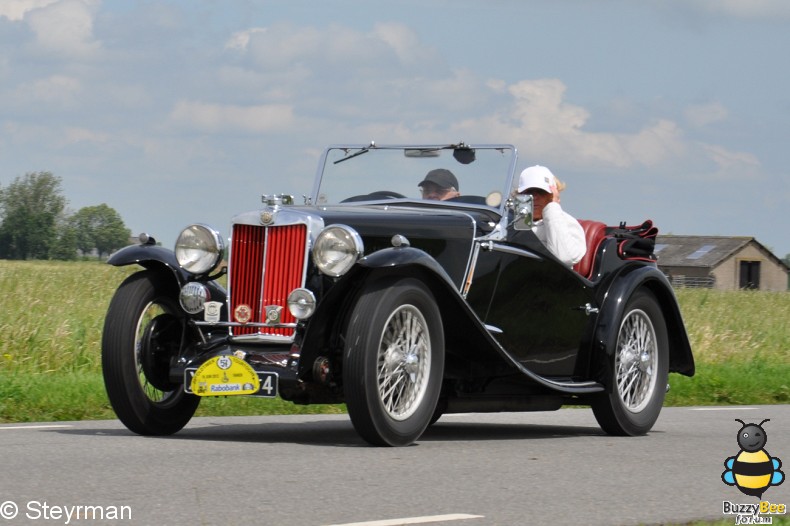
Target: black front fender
column 155, row 257
column 329, row 318
column 151, row 257
column 405, row 256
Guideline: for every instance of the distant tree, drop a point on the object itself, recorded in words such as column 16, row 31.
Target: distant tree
column 100, row 228
column 65, row 245
column 30, row 208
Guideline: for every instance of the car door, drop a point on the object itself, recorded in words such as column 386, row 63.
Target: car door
column 531, row 303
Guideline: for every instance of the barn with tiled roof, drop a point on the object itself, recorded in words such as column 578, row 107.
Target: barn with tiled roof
column 725, row 263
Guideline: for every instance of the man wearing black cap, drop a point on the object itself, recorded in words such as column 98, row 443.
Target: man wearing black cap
column 439, row 185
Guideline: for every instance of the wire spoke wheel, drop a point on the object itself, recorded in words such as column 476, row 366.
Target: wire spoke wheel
column 404, row 362
column 638, row 369
column 393, row 361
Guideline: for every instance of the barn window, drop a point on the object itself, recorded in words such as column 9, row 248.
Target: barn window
column 749, row 275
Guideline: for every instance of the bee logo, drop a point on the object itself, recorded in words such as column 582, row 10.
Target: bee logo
column 752, row 470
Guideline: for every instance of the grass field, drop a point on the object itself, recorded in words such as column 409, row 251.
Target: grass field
column 52, row 313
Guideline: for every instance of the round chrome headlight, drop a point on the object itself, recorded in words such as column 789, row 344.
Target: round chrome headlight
column 301, row 303
column 199, row 249
column 336, row 250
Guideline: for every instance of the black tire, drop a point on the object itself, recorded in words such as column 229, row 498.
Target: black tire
column 394, row 339
column 144, row 307
column 639, row 370
column 438, row 412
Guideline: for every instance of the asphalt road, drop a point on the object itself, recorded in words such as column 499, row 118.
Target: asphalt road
column 467, row 470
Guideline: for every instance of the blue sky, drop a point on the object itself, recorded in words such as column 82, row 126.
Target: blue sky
column 175, row 112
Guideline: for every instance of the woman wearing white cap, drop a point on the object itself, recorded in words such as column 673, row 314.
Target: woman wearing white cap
column 559, row 231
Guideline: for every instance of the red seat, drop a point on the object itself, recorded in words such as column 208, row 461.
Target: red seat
column 594, row 233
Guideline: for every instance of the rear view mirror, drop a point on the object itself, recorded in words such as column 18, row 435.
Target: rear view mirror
column 421, row 152
column 464, row 155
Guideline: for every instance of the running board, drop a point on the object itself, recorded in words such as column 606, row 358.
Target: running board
column 564, row 386
column 570, row 386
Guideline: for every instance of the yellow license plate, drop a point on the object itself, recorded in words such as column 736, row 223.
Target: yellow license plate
column 224, row 375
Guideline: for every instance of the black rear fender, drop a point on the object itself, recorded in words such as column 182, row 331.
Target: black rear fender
column 681, row 359
column 630, row 279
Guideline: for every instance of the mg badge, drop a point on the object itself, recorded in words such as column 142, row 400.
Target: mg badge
column 242, row 313
column 267, row 216
column 273, row 313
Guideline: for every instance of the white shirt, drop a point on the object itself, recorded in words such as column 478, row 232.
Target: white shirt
column 562, row 234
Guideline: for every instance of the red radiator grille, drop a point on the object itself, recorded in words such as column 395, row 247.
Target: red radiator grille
column 258, row 283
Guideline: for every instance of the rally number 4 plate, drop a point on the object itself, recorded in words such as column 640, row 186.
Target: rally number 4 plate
column 229, row 375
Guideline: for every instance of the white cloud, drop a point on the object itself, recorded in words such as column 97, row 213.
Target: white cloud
column 65, row 27
column 16, row 10
column 215, row 118
column 552, row 129
column 702, row 115
column 736, row 165
column 539, row 104
column 403, row 41
column 660, row 142
column 544, row 125
column 241, row 39
column 284, row 45
column 250, row 84
column 58, row 90
column 335, row 73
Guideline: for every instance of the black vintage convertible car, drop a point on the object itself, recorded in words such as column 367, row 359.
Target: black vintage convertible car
column 402, row 308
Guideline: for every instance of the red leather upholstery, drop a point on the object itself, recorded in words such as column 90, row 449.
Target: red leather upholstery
column 594, row 232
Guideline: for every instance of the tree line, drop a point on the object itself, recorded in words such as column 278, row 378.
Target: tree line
column 36, row 224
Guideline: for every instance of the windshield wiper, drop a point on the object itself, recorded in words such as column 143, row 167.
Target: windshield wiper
column 366, row 149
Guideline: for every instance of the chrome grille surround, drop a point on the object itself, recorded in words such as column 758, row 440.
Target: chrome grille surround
column 265, row 263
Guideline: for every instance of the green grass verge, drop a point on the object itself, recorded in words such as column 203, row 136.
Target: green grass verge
column 733, row 383
column 52, row 314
